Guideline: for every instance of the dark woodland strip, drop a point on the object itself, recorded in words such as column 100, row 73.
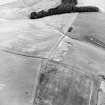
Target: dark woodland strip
column 67, row 6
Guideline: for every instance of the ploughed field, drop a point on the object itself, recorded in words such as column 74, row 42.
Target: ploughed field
column 25, row 44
